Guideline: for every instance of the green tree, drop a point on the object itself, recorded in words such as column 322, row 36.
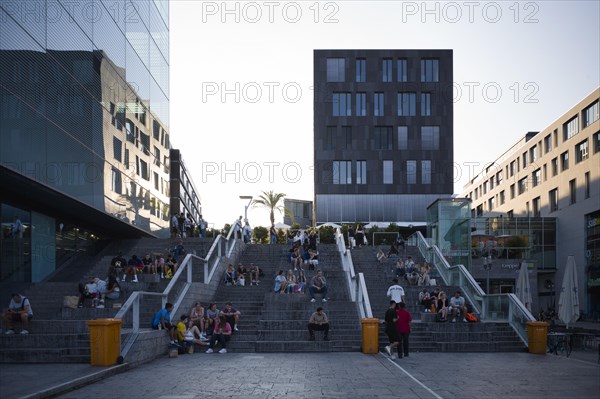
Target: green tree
column 261, row 235
column 271, row 201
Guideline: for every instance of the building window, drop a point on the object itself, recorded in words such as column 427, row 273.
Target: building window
column 116, row 182
column 383, row 138
column 582, row 151
column 342, row 172
column 491, row 204
column 564, row 161
column 342, row 104
column 587, row 185
column 499, row 178
column 388, row 172
column 425, row 104
column 591, row 114
column 411, row 172
column 485, row 187
column 426, row 171
column 379, row 105
column 479, row 210
column 536, row 177
column 533, row 154
column 553, row 200
column 522, row 185
column 572, row 192
column 407, row 104
column 156, row 181
column 144, row 170
column 330, row 133
column 347, row 136
column 537, row 207
column 524, row 159
column 502, row 197
column 336, row 69
column 554, row 163
column 545, row 169
column 510, row 214
column 361, row 70
column 156, row 156
column 402, row 70
column 117, row 149
column 361, row 104
column 361, row 172
column 491, row 182
column 430, row 137
column 387, row 70
column 547, row 144
column 402, row 137
column 476, row 193
column 571, row 128
column 596, row 142
column 512, row 169
column 430, row 70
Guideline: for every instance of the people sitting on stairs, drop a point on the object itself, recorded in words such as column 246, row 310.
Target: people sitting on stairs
column 221, row 333
column 229, row 275
column 231, row 314
column 170, row 267
column 442, row 306
column 457, row 306
column 280, row 282
column 19, row 311
column 318, row 285
column 212, row 313
column 242, row 273
column 291, row 281
column 162, row 321
column 96, row 290
column 197, row 317
column 318, row 322
column 381, row 256
column 188, row 333
column 133, row 266
column 117, row 265
column 254, row 274
column 425, row 300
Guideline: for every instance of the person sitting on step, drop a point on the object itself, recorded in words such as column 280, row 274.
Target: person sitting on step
column 318, row 322
column 442, row 306
column 242, row 272
column 133, row 265
column 162, row 321
column 425, row 300
column 291, row 282
column 212, row 313
column 318, row 285
column 254, row 272
column 381, row 256
column 231, row 314
column 19, row 310
column 280, row 282
column 187, row 332
column 230, row 275
column 197, row 318
column 221, row 333
column 457, row 305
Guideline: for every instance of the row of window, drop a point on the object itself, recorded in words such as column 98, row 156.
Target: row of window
column 342, row 172
column 382, row 138
column 406, row 104
column 557, row 164
column 145, row 199
column 536, row 203
column 429, row 70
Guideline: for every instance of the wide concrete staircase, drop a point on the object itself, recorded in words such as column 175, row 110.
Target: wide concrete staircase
column 273, row 322
column 61, row 335
column 428, row 335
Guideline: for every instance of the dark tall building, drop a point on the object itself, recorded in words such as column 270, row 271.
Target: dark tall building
column 84, row 140
column 383, row 133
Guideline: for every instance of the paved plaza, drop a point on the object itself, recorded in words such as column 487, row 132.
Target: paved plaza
column 326, row 375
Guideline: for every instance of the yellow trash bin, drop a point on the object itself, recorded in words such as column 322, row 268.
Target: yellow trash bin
column 370, row 335
column 105, row 341
column 537, row 332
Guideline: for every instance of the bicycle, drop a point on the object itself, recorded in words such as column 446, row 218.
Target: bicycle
column 559, row 343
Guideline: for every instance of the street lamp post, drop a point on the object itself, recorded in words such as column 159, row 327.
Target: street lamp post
column 249, row 198
column 487, row 265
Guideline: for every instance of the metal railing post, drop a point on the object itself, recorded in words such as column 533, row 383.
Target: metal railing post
column 206, row 271
column 136, row 314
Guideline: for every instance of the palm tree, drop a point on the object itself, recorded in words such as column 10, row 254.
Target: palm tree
column 270, row 200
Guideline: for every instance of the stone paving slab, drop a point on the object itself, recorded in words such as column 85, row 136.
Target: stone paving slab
column 355, row 375
column 322, row 375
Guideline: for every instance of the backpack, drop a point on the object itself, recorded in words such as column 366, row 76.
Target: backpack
column 471, row 318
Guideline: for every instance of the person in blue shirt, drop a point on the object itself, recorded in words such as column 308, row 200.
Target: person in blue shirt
column 162, row 321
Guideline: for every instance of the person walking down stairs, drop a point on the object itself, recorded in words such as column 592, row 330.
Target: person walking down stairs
column 318, row 322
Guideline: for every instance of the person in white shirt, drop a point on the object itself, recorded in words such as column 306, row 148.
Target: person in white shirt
column 396, row 292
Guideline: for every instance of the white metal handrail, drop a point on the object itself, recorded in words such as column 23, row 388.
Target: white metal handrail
column 356, row 282
column 496, row 307
column 133, row 303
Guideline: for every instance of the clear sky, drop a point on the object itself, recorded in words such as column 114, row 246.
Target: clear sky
column 242, row 73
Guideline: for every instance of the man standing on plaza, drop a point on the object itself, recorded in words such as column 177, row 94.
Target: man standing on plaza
column 392, row 330
column 403, row 323
column 318, row 322
column 396, row 292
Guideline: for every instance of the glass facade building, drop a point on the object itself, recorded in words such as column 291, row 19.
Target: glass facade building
column 84, row 139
